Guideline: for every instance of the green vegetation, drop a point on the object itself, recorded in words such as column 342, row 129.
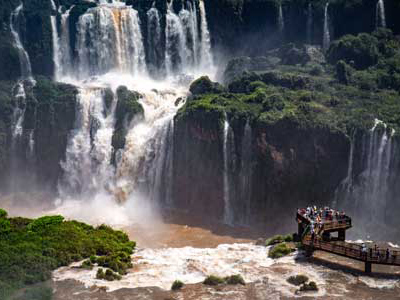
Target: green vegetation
column 297, row 279
column 306, row 287
column 276, row 239
column 235, row 279
column 360, row 83
column 213, row 280
column 177, row 285
column 31, row 249
column 108, row 275
column 280, row 250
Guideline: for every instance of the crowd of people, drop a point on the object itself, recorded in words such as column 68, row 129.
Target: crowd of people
column 322, row 215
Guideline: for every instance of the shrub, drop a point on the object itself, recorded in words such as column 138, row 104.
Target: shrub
column 297, row 279
column 111, row 276
column 279, row 250
column 276, row 239
column 176, row 285
column 312, row 286
column 316, row 70
column 213, row 280
column 274, row 101
column 361, row 49
column 87, row 264
column 235, row 279
column 3, row 214
column 100, row 274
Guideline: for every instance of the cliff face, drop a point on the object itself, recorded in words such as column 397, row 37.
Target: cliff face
column 32, row 157
column 284, row 167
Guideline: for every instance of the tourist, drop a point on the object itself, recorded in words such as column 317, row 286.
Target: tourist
column 387, row 253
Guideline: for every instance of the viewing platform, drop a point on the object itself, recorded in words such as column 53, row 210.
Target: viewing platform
column 317, row 228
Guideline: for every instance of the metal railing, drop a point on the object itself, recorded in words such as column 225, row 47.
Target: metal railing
column 355, row 251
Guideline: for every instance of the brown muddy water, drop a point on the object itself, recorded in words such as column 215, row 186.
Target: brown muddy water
column 169, row 251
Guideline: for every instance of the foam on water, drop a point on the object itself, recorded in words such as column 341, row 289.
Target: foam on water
column 160, row 267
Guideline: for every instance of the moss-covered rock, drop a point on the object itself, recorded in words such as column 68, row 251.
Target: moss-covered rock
column 128, row 110
column 204, row 85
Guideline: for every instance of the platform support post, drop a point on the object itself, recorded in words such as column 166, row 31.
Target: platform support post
column 342, row 235
column 368, row 267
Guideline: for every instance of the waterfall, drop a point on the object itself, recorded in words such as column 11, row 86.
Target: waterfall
column 380, row 14
column 309, row 23
column 153, row 35
column 245, row 175
column 26, row 74
column 56, row 47
column 25, row 64
column 65, row 48
column 87, row 167
column 369, row 194
column 109, row 39
column 175, row 44
column 228, row 212
column 53, row 5
column 281, row 21
column 145, row 164
column 206, row 57
column 327, row 35
column 190, row 37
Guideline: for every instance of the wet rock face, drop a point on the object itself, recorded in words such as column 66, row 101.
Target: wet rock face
column 290, row 166
column 49, row 117
column 198, row 165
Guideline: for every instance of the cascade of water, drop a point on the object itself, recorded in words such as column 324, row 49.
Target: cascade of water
column 56, row 47
column 370, row 193
column 146, row 160
column 87, row 166
column 228, row 215
column 190, row 37
column 175, row 44
column 65, row 48
column 153, row 34
column 327, row 36
column 109, row 39
column 206, row 58
column 246, row 172
column 281, row 21
column 18, row 113
column 309, row 23
column 380, row 14
column 53, row 5
column 25, row 64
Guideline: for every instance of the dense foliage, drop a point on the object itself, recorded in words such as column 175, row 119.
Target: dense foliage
column 361, row 83
column 31, row 249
